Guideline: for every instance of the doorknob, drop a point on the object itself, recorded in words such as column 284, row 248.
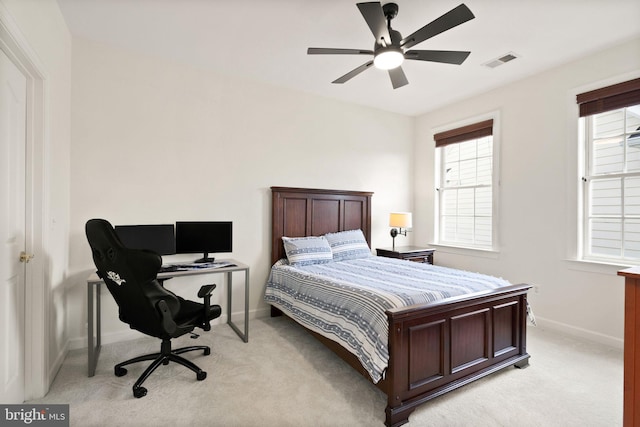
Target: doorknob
column 25, row 257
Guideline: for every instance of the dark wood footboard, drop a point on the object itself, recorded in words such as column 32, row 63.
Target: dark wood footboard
column 436, row 348
column 439, row 347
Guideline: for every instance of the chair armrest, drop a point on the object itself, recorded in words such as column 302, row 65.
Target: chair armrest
column 206, row 290
column 168, row 324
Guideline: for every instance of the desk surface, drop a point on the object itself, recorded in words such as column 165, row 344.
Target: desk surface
column 238, row 266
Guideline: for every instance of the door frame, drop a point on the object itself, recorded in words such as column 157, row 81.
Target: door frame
column 37, row 293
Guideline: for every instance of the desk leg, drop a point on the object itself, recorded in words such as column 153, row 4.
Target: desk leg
column 94, row 351
column 245, row 335
column 246, row 305
column 98, row 326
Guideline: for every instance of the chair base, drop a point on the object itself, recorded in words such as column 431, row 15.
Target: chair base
column 165, row 356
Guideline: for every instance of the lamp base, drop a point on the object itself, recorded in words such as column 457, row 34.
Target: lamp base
column 394, row 233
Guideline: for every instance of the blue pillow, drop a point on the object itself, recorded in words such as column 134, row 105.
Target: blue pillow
column 307, row 250
column 347, row 245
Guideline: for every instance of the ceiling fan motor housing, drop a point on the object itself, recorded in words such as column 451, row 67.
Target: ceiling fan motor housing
column 396, row 38
column 390, row 11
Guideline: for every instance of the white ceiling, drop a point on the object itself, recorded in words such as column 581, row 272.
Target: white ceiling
column 266, row 40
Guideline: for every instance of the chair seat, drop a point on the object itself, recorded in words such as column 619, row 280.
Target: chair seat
column 192, row 312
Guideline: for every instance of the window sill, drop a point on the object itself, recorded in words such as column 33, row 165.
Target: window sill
column 593, row 266
column 466, row 250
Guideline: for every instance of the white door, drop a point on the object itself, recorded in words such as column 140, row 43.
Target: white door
column 13, row 92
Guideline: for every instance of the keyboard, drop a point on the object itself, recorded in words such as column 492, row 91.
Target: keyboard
column 169, row 268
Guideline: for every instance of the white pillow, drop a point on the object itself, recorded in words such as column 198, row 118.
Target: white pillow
column 347, row 245
column 307, row 250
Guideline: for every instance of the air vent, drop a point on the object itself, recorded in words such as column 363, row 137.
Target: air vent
column 510, row 56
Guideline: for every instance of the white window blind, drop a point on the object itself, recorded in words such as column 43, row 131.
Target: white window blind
column 465, row 188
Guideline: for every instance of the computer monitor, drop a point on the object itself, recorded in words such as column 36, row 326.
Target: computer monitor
column 159, row 238
column 204, row 237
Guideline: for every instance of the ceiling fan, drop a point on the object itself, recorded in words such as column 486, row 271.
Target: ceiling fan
column 390, row 49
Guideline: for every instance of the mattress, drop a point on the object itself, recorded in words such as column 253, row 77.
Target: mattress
column 346, row 301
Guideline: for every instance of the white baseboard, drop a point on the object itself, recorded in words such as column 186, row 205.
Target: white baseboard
column 579, row 332
column 106, row 338
column 57, row 363
column 261, row 313
column 130, row 334
column 41, row 389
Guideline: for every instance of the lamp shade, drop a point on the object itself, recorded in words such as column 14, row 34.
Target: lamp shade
column 400, row 219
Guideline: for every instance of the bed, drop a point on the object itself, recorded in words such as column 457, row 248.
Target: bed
column 433, row 347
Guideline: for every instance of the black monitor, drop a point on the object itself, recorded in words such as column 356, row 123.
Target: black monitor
column 159, row 238
column 204, row 237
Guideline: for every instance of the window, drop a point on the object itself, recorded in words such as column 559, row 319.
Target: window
column 610, row 125
column 465, row 165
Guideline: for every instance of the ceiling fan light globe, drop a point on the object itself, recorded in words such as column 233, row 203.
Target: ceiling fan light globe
column 388, row 59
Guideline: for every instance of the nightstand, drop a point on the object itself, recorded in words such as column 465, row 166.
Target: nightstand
column 411, row 253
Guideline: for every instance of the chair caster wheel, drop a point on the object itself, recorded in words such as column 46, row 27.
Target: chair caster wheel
column 139, row 392
column 165, row 362
column 201, row 375
column 207, row 351
column 120, row 372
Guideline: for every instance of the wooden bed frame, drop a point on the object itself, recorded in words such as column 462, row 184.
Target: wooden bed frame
column 434, row 348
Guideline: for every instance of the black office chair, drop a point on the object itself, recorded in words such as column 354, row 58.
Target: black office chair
column 143, row 302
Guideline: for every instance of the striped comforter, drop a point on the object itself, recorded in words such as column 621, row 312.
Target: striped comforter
column 346, row 301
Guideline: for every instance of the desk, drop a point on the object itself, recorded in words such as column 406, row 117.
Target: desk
column 94, row 282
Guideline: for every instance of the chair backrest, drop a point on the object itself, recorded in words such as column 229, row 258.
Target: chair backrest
column 130, row 276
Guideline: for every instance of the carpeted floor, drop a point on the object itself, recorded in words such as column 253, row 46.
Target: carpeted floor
column 284, row 377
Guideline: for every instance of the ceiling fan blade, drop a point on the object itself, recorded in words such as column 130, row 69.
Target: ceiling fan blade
column 446, row 56
column 453, row 18
column 373, row 15
column 330, row 51
column 351, row 74
column 398, row 79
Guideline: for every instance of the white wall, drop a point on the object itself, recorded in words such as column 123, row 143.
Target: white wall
column 143, row 128
column 538, row 193
column 155, row 142
column 41, row 26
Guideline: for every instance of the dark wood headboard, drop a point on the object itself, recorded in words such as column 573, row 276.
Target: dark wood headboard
column 299, row 212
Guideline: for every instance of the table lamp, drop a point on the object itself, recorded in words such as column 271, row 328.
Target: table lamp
column 402, row 220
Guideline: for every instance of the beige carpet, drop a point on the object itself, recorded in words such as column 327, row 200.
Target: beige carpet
column 284, row 377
